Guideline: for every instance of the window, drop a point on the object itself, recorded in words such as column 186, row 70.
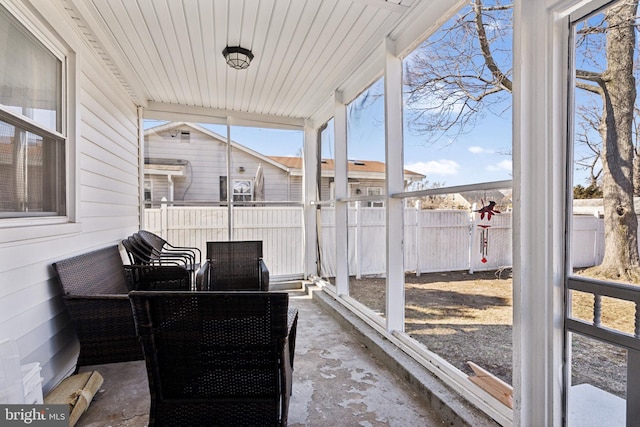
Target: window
column 148, row 192
column 242, row 190
column 32, row 146
column 375, row 191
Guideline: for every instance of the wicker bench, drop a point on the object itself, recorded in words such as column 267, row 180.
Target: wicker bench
column 95, row 288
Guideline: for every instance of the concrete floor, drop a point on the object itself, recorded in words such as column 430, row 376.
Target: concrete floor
column 337, row 381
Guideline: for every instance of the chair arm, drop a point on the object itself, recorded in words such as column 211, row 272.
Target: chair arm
column 292, row 327
column 286, row 361
column 156, row 277
column 286, row 379
column 105, row 328
column 264, row 275
column 193, row 251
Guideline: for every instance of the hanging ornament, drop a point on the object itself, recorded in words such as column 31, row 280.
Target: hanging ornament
column 487, row 210
column 484, row 241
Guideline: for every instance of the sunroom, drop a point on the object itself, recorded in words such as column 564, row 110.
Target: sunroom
column 83, row 83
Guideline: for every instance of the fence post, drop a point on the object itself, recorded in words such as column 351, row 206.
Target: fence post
column 596, row 238
column 357, row 243
column 472, row 235
column 418, row 235
column 163, row 218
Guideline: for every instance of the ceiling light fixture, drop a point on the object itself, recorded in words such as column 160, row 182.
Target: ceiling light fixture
column 237, row 57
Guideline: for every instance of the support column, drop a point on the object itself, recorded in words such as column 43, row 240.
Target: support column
column 229, row 184
column 341, row 190
column 395, row 184
column 540, row 41
column 310, row 178
column 141, row 221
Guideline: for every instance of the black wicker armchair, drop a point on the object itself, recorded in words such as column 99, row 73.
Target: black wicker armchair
column 94, row 289
column 217, row 358
column 160, row 249
column 233, row 265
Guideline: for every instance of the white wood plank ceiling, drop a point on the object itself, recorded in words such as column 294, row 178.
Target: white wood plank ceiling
column 168, row 53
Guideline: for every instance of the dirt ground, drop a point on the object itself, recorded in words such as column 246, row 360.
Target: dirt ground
column 468, row 317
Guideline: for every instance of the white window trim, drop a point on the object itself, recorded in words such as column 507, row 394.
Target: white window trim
column 15, row 229
column 233, row 188
column 379, row 189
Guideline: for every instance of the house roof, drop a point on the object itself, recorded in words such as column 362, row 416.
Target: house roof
column 168, row 54
column 355, row 168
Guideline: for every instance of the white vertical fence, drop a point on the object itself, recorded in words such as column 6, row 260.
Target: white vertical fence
column 434, row 240
column 279, row 228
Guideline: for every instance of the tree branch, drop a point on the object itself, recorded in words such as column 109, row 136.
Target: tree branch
column 501, row 78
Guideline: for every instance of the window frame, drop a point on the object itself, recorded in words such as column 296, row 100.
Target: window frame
column 241, row 197
column 379, row 191
column 28, row 227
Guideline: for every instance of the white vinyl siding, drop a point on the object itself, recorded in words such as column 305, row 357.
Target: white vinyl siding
column 103, row 174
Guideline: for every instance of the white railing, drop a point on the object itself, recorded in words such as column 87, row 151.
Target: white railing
column 434, row 240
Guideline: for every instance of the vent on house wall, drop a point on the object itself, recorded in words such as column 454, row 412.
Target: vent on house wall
column 185, row 136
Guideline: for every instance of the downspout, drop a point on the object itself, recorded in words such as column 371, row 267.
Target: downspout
column 171, row 187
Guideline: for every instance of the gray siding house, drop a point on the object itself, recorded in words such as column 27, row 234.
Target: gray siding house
column 185, row 162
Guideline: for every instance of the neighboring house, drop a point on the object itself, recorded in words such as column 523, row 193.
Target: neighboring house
column 465, row 200
column 366, row 177
column 186, row 162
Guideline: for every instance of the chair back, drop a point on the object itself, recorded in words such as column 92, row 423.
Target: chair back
column 95, row 288
column 136, row 256
column 214, row 357
column 99, row 272
column 152, row 239
column 233, row 265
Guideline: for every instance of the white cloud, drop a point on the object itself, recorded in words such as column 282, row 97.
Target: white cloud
column 478, row 150
column 435, row 167
column 504, row 165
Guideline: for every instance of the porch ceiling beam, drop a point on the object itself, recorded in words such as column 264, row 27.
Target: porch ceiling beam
column 187, row 113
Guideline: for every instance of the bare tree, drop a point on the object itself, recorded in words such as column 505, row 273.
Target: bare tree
column 616, row 86
column 461, row 73
column 588, row 136
column 465, row 71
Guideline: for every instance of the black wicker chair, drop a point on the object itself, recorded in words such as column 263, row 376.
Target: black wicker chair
column 233, row 265
column 160, row 248
column 217, row 358
column 150, row 273
column 157, row 256
column 95, row 287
